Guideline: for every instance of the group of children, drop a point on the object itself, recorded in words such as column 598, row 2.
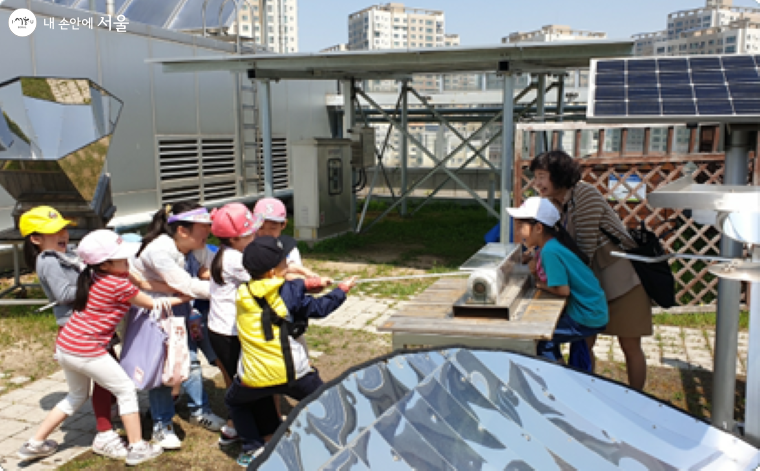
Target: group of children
column 257, row 314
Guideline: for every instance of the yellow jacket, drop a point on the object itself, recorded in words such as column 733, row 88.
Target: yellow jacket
column 266, row 363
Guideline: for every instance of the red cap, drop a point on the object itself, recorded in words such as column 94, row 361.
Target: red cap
column 234, row 220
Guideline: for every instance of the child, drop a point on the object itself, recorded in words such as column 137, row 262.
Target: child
column 46, row 251
column 275, row 219
column 104, row 294
column 272, row 362
column 585, row 313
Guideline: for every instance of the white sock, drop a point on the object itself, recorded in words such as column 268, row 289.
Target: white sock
column 106, row 434
column 36, row 443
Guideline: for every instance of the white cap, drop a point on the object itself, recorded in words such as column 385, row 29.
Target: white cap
column 540, row 209
column 102, row 245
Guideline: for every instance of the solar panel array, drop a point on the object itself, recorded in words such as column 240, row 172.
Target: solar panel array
column 725, row 87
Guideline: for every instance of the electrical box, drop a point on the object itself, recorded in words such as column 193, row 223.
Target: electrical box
column 363, row 147
column 322, row 188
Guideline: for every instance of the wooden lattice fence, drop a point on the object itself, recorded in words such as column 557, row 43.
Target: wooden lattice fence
column 623, row 166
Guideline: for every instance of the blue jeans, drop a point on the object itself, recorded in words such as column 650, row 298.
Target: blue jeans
column 161, row 400
column 567, row 331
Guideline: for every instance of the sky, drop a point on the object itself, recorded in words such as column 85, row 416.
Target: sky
column 324, row 23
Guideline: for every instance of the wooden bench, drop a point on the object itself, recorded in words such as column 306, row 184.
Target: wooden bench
column 427, row 321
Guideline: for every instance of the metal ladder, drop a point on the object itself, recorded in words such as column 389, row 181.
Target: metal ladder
column 249, row 135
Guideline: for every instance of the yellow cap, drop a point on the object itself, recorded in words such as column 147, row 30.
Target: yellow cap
column 42, row 220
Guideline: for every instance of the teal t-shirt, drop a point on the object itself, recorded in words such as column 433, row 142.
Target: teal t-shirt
column 587, row 303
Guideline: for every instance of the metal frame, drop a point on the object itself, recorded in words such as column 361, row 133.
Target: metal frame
column 17, row 284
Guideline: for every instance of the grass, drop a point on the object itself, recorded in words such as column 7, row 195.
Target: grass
column 696, row 320
column 26, row 344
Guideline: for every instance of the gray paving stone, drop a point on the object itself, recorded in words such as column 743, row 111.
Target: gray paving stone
column 18, row 412
column 9, row 427
column 15, row 396
column 47, row 385
column 58, row 376
column 10, row 445
column 14, row 464
column 20, row 380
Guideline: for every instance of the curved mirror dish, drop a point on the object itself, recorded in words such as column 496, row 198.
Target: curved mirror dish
column 54, row 137
column 742, row 227
column 468, row 409
column 150, row 12
column 740, row 271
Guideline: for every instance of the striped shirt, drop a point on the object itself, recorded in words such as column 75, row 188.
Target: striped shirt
column 584, row 211
column 89, row 332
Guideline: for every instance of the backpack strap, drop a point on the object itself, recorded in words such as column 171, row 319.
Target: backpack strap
column 269, row 317
column 615, row 240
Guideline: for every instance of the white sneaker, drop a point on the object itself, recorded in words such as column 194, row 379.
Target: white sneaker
column 110, row 445
column 164, row 435
column 142, row 452
column 208, row 421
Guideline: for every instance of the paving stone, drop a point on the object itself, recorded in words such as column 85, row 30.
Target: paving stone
column 4, row 403
column 58, row 376
column 10, row 445
column 315, row 354
column 14, row 464
column 9, row 427
column 4, row 375
column 18, row 412
column 15, row 396
column 37, row 398
column 80, row 422
column 47, row 385
column 20, row 380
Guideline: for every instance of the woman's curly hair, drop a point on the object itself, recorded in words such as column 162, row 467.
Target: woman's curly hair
column 564, row 171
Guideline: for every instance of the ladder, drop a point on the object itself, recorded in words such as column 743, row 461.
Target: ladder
column 249, row 135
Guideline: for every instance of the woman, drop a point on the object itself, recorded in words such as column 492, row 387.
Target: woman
column 584, row 213
column 174, row 233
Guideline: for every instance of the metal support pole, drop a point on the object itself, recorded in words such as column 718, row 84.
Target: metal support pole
column 541, row 112
column 266, row 134
column 507, row 153
column 560, row 108
column 729, row 294
column 404, row 142
column 752, row 408
column 349, row 119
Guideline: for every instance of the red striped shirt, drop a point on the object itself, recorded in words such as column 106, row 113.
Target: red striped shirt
column 89, row 332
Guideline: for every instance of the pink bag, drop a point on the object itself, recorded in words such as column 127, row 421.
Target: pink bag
column 177, row 364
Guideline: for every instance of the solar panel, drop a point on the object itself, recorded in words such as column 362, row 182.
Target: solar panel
column 468, row 409
column 716, row 88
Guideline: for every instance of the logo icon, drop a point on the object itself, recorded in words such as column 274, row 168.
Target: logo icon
column 22, row 22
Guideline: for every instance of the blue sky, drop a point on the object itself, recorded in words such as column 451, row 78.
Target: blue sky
column 487, row 21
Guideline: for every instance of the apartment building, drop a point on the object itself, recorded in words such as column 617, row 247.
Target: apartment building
column 336, row 48
column 551, row 33
column 271, row 23
column 393, row 26
column 717, row 28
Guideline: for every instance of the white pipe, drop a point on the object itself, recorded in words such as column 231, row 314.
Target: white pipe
column 110, row 9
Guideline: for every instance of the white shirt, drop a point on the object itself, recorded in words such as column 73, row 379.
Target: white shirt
column 294, row 257
column 222, row 316
column 162, row 261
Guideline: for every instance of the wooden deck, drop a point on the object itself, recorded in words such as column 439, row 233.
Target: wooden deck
column 428, row 320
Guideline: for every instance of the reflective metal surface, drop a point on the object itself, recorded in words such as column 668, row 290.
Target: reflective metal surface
column 463, row 409
column 741, row 226
column 490, row 256
column 54, row 138
column 742, row 271
column 685, row 193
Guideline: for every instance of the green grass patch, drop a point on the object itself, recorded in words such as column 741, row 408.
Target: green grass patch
column 447, row 231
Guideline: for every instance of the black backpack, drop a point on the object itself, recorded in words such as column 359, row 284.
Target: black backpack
column 656, row 278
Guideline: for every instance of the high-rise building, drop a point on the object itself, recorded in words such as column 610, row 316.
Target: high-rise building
column 550, row 33
column 280, row 23
column 717, row 28
column 393, row 26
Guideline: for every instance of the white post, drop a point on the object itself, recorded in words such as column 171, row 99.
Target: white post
column 507, row 154
column 266, row 135
column 752, row 409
